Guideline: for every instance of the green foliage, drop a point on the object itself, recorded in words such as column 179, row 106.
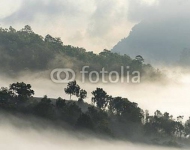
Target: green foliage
column 25, row 50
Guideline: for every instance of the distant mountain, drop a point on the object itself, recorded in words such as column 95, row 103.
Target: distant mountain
column 158, row 41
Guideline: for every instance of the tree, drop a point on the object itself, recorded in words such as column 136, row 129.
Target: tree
column 100, row 120
column 125, row 109
column 60, row 103
column 100, row 98
column 12, row 30
column 45, row 108
column 5, row 96
column 82, row 95
column 146, row 116
column 21, row 90
column 72, row 89
column 85, row 121
column 27, row 29
column 51, row 39
column 116, row 105
column 139, row 58
column 36, row 53
column 187, row 127
column 179, row 126
column 71, row 113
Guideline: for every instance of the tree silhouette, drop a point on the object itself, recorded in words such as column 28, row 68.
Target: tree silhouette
column 82, row 95
column 85, row 122
column 72, row 89
column 139, row 58
column 45, row 108
column 100, row 98
column 21, row 90
column 6, row 96
column 60, row 103
column 27, row 29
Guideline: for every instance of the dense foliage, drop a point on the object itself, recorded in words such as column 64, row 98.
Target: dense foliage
column 25, row 50
column 112, row 116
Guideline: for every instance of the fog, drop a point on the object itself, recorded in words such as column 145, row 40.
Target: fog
column 167, row 96
column 17, row 135
column 171, row 95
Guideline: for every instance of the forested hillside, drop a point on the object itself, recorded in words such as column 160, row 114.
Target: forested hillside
column 25, row 50
column 114, row 117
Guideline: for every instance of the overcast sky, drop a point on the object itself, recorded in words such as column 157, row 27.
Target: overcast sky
column 94, row 24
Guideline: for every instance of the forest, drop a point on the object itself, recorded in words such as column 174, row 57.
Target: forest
column 26, row 51
column 113, row 117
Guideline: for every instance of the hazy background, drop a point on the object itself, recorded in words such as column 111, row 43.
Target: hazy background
column 94, row 24
column 162, row 34
column 156, row 29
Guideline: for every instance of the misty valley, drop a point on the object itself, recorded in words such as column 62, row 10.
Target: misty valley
column 127, row 89
column 107, row 122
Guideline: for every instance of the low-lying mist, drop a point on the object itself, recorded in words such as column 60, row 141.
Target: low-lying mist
column 18, row 134
column 169, row 96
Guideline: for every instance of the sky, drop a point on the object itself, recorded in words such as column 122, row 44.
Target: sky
column 94, row 25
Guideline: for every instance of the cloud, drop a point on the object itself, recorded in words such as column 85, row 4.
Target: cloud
column 7, row 7
column 158, row 9
column 108, row 23
column 102, row 17
column 30, row 9
column 94, row 25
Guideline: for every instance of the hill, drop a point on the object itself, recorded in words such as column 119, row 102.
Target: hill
column 160, row 41
column 25, row 50
column 114, row 117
